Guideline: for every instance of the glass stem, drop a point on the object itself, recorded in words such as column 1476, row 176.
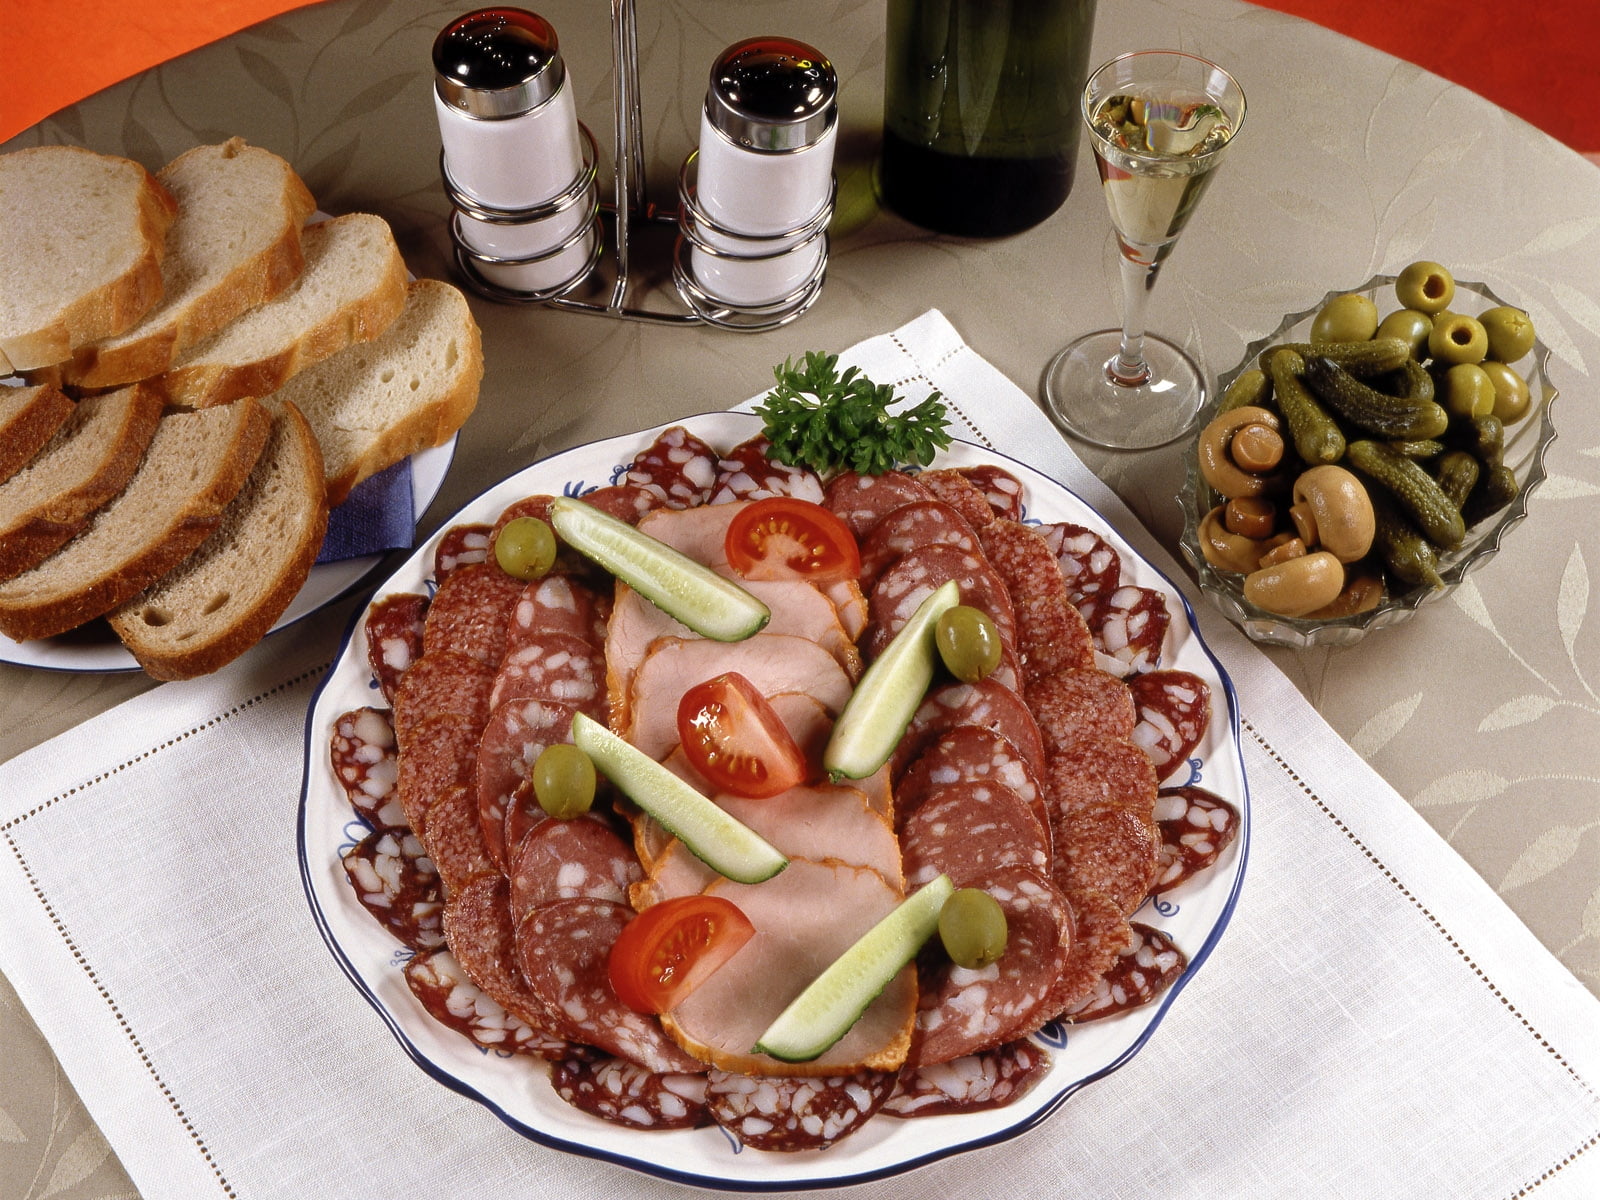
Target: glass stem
column 1129, row 368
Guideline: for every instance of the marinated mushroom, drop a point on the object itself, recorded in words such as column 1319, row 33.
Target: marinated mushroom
column 1332, row 510
column 1247, row 471
column 1228, row 551
column 1298, row 586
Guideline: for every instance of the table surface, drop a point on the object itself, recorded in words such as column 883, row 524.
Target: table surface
column 1484, row 711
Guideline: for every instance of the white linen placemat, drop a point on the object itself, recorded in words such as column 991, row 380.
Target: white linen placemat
column 1374, row 1022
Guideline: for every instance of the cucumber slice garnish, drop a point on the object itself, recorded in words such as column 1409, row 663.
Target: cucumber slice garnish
column 879, row 710
column 692, row 594
column 834, row 1001
column 724, row 844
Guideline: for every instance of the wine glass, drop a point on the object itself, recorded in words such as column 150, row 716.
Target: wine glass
column 1159, row 121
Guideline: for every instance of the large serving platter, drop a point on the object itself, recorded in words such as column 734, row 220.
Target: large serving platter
column 516, row 1088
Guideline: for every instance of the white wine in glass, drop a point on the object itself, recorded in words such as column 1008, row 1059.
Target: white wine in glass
column 1159, row 122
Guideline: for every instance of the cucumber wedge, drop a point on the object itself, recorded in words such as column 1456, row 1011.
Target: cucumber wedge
column 724, row 844
column 876, row 715
column 834, row 1001
column 690, row 593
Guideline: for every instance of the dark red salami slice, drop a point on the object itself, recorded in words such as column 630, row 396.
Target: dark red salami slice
column 918, row 572
column 362, row 751
column 1074, row 704
column 437, row 980
column 1090, row 565
column 624, row 1093
column 1174, row 710
column 554, row 666
column 537, row 506
column 394, row 638
column 961, row 1011
column 568, row 561
column 563, row 948
column 565, row 860
column 470, row 613
column 461, row 546
column 557, row 604
column 999, row 487
column 1100, row 770
column 969, row 754
column 985, row 704
column 439, row 751
column 789, row 1113
column 1102, row 933
column 1109, row 849
column 477, row 926
column 911, row 527
column 677, row 466
column 1141, row 973
column 960, row 493
column 748, row 472
column 454, row 840
column 861, row 501
column 1131, row 625
column 438, row 684
column 972, row 1083
column 1196, row 827
column 1051, row 634
column 396, row 883
column 970, row 831
column 625, row 501
column 516, row 734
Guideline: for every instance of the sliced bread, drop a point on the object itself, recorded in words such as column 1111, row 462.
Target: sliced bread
column 82, row 236
column 29, row 417
column 89, row 460
column 234, row 245
column 195, row 466
column 225, row 596
column 352, row 287
column 382, row 401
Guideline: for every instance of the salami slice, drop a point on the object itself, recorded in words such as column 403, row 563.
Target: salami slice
column 985, row 704
column 1051, row 634
column 557, row 604
column 1109, row 849
column 455, row 840
column 963, row 1011
column 906, row 584
column 969, row 754
column 396, row 883
column 1090, row 565
column 624, row 1093
column 576, row 859
column 970, row 831
column 625, row 501
column 748, row 472
column 911, row 527
column 1196, row 827
column 861, row 501
column 677, row 466
column 1131, row 625
column 554, row 666
column 477, row 926
column 1100, row 770
column 394, row 638
column 439, row 751
column 1102, row 933
column 1141, row 973
column 563, row 949
column 972, row 1083
column 461, row 546
column 1074, row 704
column 471, row 611
column 568, row 561
column 453, row 1000
column 957, row 490
column 999, row 487
column 787, row 1113
column 1174, row 710
column 362, row 750
column 438, row 684
column 516, row 734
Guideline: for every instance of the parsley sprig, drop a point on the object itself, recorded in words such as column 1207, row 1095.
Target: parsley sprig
column 825, row 420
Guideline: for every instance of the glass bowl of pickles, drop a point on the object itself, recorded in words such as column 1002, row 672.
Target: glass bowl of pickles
column 1366, row 455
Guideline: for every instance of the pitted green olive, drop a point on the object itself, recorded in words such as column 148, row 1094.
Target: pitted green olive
column 1426, row 287
column 1511, row 395
column 1348, row 318
column 1468, row 391
column 1509, row 330
column 1457, row 339
column 1410, row 326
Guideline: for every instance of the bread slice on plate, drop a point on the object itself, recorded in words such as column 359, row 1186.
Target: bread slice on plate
column 29, row 417
column 352, row 287
column 196, row 464
column 225, row 596
column 89, row 460
column 234, row 245
column 412, row 388
column 82, row 236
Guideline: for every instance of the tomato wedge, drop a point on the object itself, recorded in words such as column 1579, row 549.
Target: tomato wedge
column 785, row 538
column 672, row 947
column 732, row 736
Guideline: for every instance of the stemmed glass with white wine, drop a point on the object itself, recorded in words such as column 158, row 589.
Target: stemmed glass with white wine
column 1159, row 122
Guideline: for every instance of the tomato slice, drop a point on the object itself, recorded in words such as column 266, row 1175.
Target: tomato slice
column 733, row 737
column 785, row 538
column 672, row 947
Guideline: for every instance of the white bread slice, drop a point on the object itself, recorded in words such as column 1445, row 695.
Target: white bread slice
column 412, row 388
column 234, row 245
column 82, row 236
column 225, row 596
column 352, row 287
column 89, row 460
column 29, row 417
column 195, row 466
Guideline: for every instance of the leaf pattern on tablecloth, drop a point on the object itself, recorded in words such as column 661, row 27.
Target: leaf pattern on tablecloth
column 1572, row 602
column 10, row 1131
column 1518, row 711
column 78, row 1161
column 1461, row 787
column 1548, row 852
column 1384, row 725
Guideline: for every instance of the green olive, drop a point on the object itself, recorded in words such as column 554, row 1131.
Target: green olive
column 1510, row 332
column 1468, row 391
column 563, row 781
column 1348, row 318
column 972, row 926
column 1426, row 287
column 968, row 642
column 1410, row 326
column 1457, row 339
column 1511, row 395
column 525, row 547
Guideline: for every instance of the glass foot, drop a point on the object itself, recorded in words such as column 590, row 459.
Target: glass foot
column 1084, row 399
